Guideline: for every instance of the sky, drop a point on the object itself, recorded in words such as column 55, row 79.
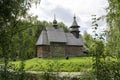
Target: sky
column 66, row 9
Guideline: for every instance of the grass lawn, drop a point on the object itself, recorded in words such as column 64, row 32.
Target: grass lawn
column 73, row 64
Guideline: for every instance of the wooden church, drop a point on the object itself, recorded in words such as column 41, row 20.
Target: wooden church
column 54, row 42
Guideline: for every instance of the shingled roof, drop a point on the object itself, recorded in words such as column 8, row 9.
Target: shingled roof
column 71, row 40
column 58, row 35
column 43, row 39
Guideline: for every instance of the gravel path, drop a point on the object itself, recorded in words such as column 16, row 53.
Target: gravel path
column 60, row 74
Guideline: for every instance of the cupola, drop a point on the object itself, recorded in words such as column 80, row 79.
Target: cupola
column 55, row 22
column 74, row 28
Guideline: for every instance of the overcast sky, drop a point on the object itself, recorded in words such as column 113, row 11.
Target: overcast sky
column 65, row 10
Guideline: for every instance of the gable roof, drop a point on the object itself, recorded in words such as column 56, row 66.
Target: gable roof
column 43, row 40
column 71, row 40
column 56, row 35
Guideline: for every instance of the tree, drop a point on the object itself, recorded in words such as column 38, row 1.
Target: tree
column 88, row 41
column 11, row 14
column 113, row 41
column 20, row 41
column 62, row 25
column 108, row 64
column 113, row 19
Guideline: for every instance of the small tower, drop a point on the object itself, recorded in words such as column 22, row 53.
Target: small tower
column 55, row 22
column 74, row 28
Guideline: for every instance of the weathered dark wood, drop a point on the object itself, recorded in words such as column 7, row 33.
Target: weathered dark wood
column 59, row 50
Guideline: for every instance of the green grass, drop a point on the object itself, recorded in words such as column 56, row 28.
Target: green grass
column 74, row 64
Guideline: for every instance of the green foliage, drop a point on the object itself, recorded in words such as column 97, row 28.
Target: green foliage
column 102, row 62
column 20, row 46
column 88, row 41
column 12, row 12
column 62, row 25
column 87, row 76
column 113, row 40
column 74, row 64
column 113, row 19
column 99, row 64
